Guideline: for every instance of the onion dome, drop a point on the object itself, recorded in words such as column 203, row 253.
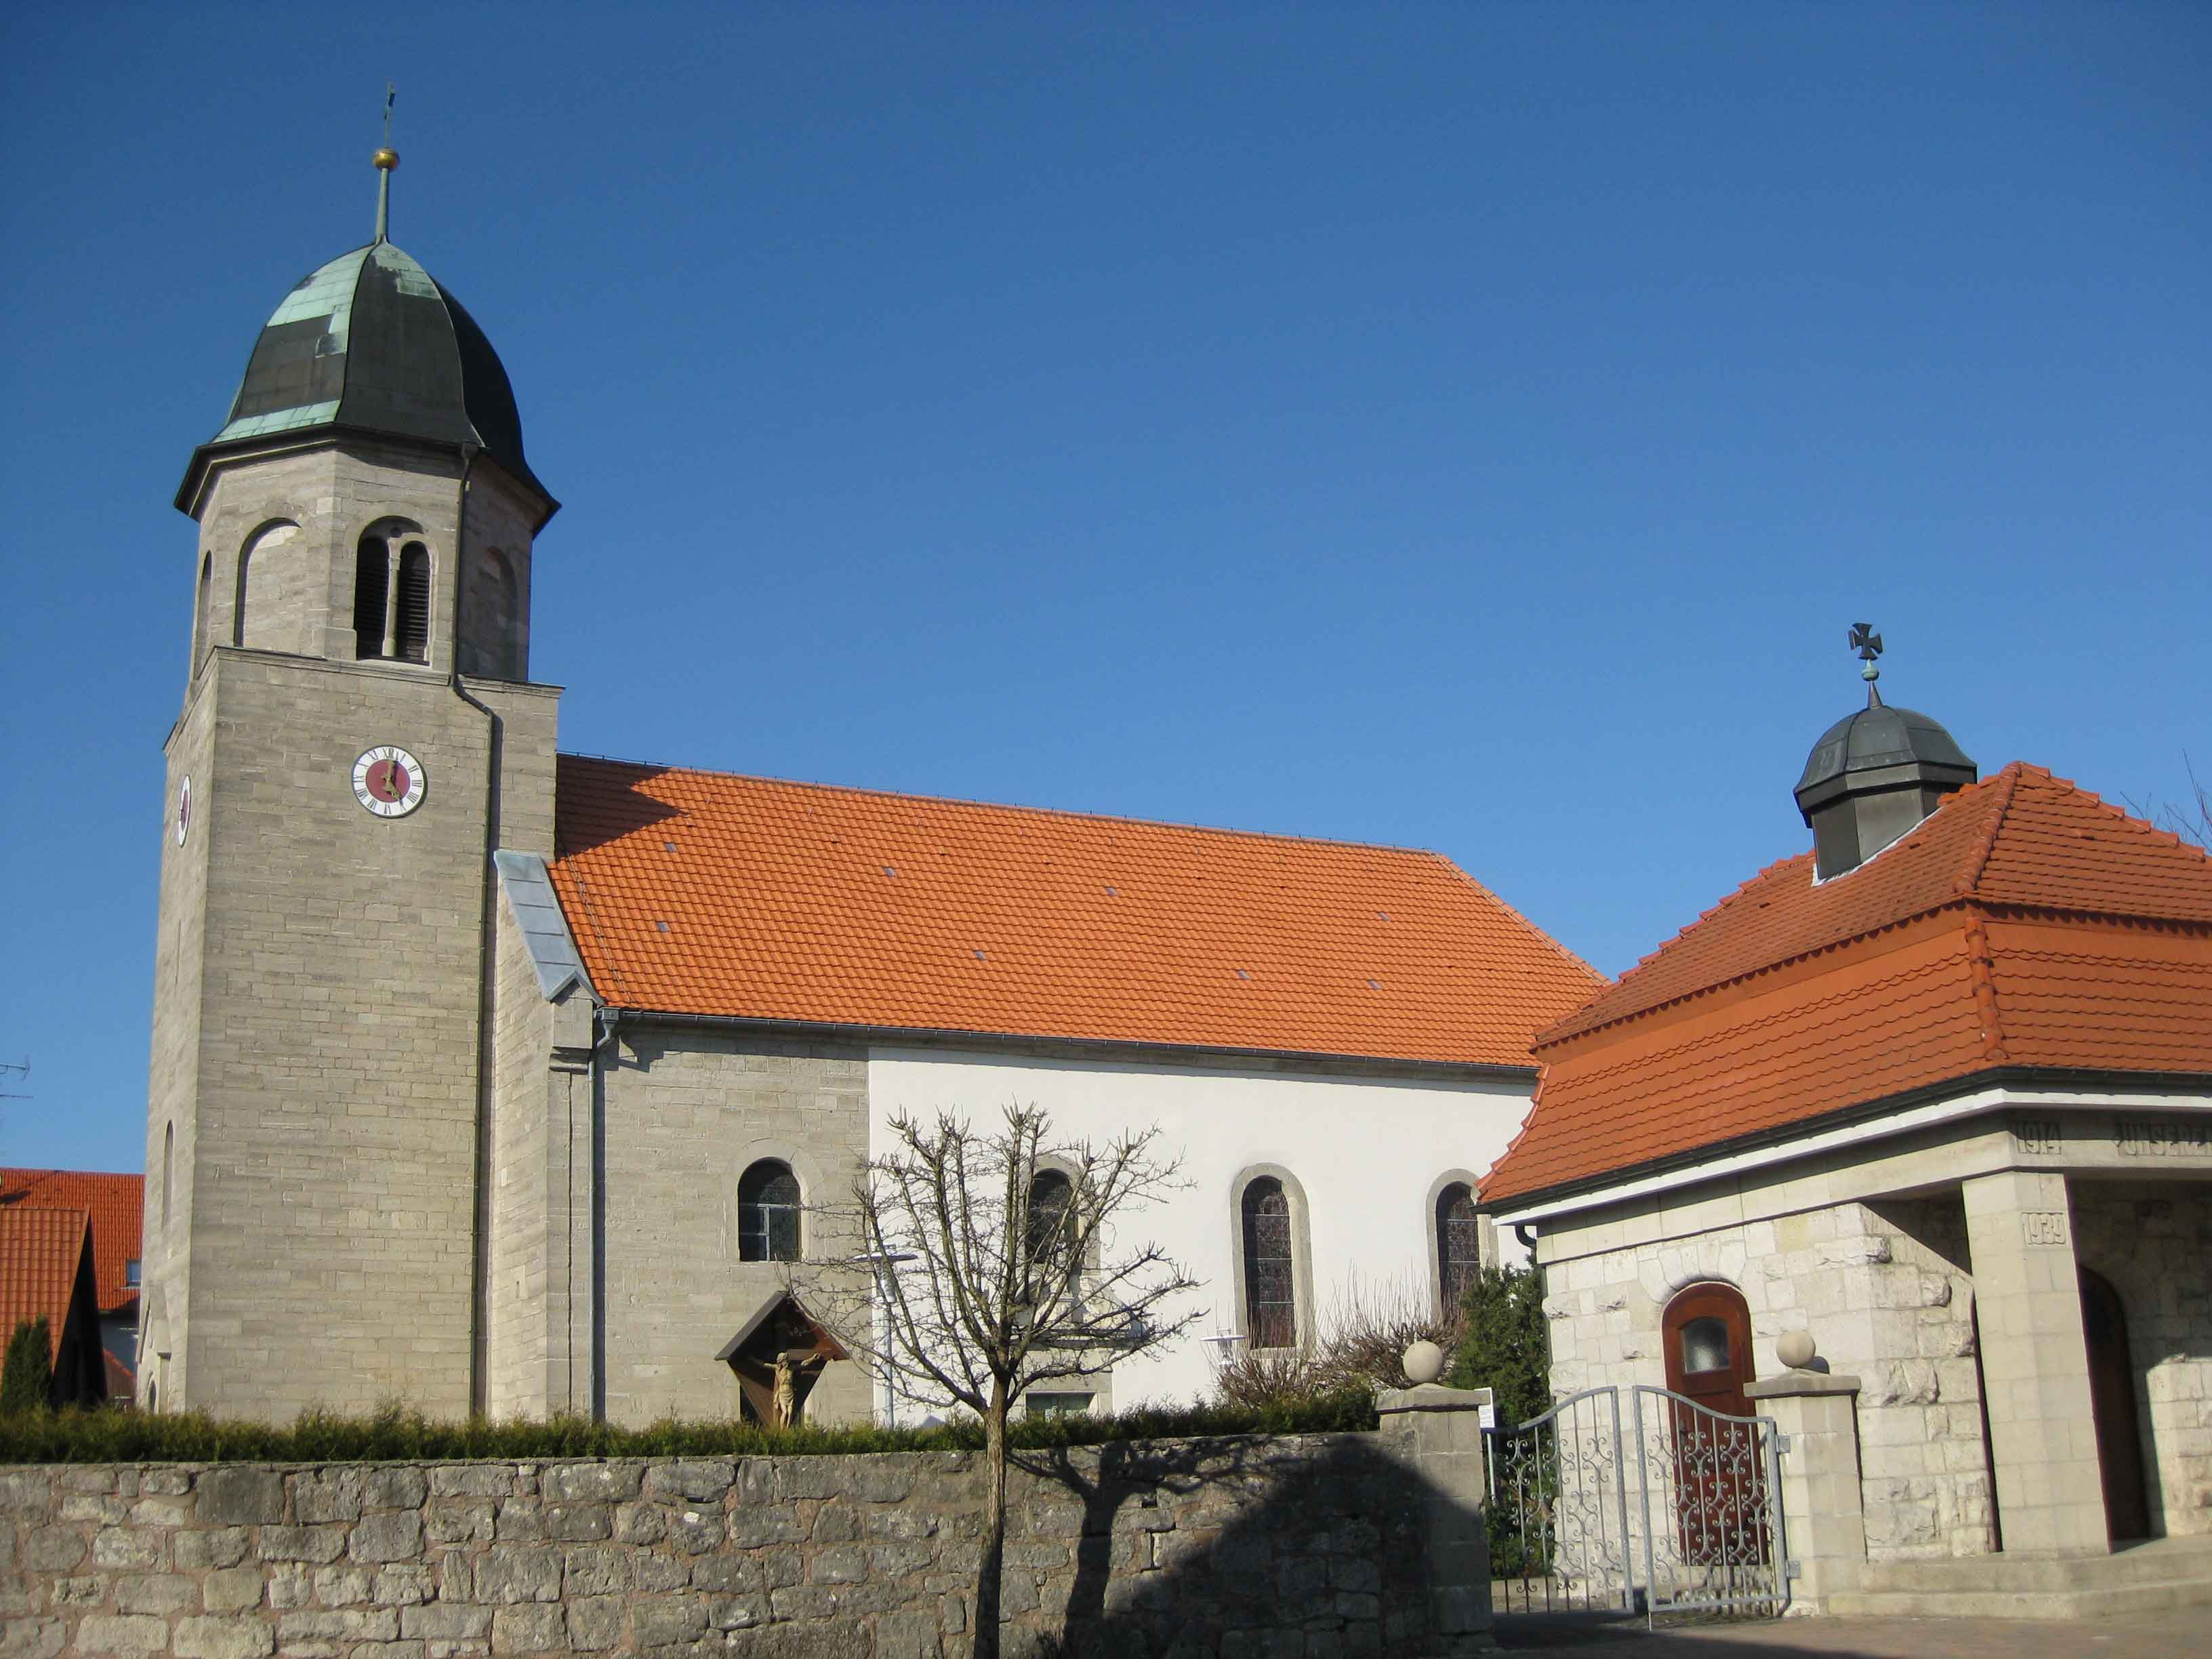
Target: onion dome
column 1875, row 774
column 371, row 343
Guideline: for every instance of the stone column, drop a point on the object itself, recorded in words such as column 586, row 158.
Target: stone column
column 2035, row 1363
column 1823, row 1505
column 1437, row 1432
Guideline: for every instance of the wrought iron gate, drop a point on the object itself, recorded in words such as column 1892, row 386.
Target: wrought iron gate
column 1678, row 1510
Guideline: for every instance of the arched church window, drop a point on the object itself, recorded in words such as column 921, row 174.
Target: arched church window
column 1459, row 1244
column 410, row 629
column 371, row 579
column 767, row 1212
column 168, row 1164
column 1050, row 1193
column 1271, row 1305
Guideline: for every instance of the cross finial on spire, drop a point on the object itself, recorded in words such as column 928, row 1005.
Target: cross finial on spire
column 385, row 159
column 1868, row 644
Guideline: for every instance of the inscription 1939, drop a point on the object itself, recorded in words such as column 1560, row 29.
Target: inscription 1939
column 2044, row 1228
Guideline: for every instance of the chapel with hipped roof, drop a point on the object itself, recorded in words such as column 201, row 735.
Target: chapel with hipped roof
column 1936, row 1093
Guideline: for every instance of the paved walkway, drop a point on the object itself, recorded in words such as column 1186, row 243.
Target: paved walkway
column 2185, row 1631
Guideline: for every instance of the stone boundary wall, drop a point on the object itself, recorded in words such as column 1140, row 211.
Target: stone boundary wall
column 1306, row 1547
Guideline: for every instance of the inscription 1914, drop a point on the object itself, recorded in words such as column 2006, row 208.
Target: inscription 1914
column 2035, row 1134
column 2044, row 1229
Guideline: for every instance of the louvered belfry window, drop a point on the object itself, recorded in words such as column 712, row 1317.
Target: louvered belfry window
column 767, row 1214
column 1270, row 1307
column 411, row 634
column 372, row 574
column 1458, row 1243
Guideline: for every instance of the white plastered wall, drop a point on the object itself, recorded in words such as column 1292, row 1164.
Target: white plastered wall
column 1367, row 1152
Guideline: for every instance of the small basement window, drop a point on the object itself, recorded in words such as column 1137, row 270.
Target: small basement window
column 1057, row 1404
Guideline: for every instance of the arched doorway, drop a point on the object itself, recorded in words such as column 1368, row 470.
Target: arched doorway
column 1719, row 1481
column 2112, row 1405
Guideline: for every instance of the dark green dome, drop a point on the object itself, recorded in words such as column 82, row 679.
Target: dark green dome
column 372, row 343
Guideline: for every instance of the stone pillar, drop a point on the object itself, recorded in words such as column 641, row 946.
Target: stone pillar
column 1823, row 1505
column 2035, row 1363
column 1437, row 1432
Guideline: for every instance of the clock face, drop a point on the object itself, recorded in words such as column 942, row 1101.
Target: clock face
column 389, row 782
column 184, row 809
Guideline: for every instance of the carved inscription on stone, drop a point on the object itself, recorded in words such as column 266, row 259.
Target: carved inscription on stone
column 2044, row 1229
column 2034, row 1134
column 2162, row 1140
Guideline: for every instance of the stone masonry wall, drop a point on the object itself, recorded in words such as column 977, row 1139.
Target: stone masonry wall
column 686, row 1116
column 1884, row 1295
column 1303, row 1546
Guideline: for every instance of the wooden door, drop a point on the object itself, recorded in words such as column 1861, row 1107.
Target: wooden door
column 1720, row 1481
column 2112, row 1405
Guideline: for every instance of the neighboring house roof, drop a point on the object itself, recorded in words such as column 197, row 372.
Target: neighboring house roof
column 41, row 1250
column 2023, row 925
column 703, row 893
column 117, row 1205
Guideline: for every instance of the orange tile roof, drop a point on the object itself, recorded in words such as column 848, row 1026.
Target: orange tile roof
column 2025, row 924
column 705, row 893
column 40, row 1250
column 117, row 1204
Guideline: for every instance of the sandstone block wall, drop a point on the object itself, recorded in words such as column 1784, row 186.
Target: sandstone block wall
column 1298, row 1547
column 686, row 1114
column 1884, row 1294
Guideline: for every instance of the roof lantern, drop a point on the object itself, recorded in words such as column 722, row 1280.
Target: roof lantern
column 372, row 343
column 1874, row 774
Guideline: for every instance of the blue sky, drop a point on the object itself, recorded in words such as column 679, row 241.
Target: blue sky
column 1470, row 427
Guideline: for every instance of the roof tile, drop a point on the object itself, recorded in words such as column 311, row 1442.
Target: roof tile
column 2025, row 923
column 1015, row 920
column 117, row 1204
column 39, row 1250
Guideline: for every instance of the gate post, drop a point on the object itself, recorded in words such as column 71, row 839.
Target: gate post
column 1823, row 1505
column 1436, row 1433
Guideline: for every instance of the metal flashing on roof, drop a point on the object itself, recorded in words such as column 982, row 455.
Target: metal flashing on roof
column 537, row 913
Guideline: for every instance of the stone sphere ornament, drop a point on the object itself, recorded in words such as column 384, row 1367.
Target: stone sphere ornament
column 1795, row 1349
column 1423, row 1362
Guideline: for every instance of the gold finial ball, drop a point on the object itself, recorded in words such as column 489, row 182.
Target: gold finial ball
column 385, row 160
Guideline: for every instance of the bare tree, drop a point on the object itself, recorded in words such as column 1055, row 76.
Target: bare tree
column 2189, row 819
column 996, row 1268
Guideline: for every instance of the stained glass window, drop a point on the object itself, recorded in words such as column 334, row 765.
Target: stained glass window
column 1270, row 1286
column 1458, row 1243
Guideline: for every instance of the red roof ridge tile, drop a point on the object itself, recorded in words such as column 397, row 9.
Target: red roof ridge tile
column 1556, row 1031
column 2007, row 783
column 1017, row 806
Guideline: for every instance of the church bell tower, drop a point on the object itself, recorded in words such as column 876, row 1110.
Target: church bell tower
column 358, row 734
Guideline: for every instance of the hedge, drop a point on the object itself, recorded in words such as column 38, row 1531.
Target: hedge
column 396, row 1432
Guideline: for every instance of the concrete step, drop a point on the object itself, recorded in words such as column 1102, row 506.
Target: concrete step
column 2164, row 1575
